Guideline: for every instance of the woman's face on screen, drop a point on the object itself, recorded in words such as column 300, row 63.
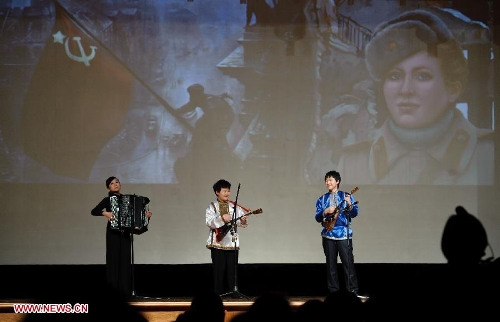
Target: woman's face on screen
column 415, row 91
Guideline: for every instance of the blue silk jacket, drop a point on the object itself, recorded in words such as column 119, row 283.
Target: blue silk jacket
column 341, row 227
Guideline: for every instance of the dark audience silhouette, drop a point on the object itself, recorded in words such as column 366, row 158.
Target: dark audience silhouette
column 466, row 286
column 344, row 306
column 459, row 228
column 311, row 310
column 205, row 306
column 469, row 284
column 270, row 306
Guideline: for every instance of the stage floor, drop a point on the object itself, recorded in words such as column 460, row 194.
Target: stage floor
column 156, row 309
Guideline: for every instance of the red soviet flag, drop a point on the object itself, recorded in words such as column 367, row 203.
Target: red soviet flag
column 77, row 100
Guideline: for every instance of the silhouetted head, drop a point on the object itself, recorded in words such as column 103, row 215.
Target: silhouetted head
column 311, row 310
column 271, row 306
column 464, row 239
column 196, row 89
column 208, row 306
column 197, row 95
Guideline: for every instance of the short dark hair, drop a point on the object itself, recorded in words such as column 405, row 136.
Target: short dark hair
column 221, row 184
column 333, row 174
column 108, row 180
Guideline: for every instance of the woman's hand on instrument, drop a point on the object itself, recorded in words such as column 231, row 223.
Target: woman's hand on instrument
column 244, row 220
column 108, row 214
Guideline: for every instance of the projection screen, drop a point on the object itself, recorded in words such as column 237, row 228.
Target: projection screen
column 170, row 96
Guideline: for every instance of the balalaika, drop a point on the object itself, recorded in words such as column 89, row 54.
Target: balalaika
column 129, row 211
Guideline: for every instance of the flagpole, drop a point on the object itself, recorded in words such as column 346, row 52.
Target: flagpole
column 165, row 104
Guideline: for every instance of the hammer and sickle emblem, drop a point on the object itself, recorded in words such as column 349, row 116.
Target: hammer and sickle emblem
column 83, row 58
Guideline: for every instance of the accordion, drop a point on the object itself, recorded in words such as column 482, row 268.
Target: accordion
column 129, row 213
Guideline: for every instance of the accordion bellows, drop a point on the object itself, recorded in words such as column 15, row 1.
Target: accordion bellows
column 129, row 212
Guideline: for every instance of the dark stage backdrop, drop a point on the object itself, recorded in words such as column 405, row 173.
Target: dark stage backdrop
column 187, row 280
column 170, row 96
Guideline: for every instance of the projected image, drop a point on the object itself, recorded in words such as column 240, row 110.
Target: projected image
column 405, row 115
column 159, row 92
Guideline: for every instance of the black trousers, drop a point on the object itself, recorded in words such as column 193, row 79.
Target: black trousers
column 343, row 249
column 119, row 261
column 224, row 267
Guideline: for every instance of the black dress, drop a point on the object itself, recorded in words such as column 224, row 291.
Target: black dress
column 118, row 253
